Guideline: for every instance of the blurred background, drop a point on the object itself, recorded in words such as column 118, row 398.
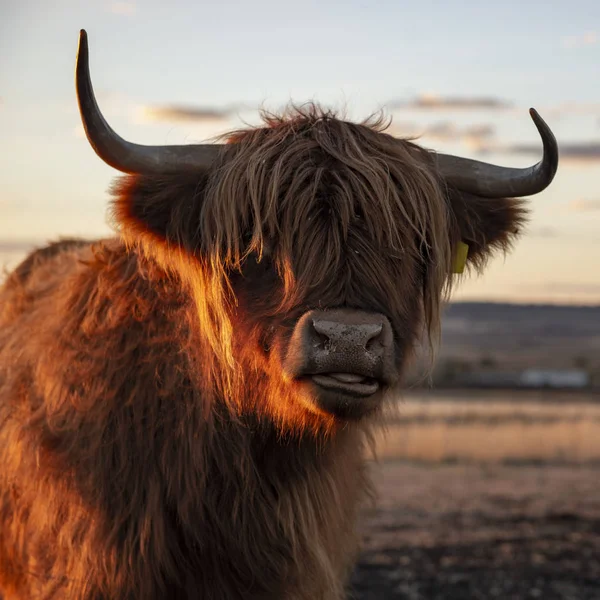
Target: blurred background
column 489, row 481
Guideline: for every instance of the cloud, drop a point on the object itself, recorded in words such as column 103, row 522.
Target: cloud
column 573, row 108
column 584, row 205
column 184, row 114
column 589, row 38
column 124, row 8
column 563, row 287
column 474, row 136
column 580, row 153
column 434, row 102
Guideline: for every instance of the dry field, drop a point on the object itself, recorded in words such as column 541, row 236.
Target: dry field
column 493, row 427
column 482, row 495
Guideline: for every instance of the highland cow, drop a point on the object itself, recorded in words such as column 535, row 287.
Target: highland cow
column 184, row 408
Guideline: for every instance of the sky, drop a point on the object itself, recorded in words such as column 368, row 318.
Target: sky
column 460, row 74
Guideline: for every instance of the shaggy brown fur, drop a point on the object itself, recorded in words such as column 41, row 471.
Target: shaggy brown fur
column 150, row 447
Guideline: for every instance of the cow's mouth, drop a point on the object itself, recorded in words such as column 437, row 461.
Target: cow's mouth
column 350, row 384
column 347, row 396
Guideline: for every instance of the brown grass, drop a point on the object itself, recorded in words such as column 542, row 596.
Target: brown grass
column 493, row 427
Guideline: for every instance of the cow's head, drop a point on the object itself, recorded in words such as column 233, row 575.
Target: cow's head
column 318, row 248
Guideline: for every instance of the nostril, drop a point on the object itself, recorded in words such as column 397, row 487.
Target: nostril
column 373, row 335
column 322, row 327
column 319, row 337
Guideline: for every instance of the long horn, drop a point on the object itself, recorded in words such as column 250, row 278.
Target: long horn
column 491, row 181
column 119, row 153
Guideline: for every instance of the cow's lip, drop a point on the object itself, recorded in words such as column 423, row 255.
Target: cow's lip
column 351, row 384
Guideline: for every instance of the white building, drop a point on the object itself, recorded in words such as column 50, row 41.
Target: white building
column 566, row 378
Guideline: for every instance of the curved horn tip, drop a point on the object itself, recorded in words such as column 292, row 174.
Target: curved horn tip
column 539, row 121
column 82, row 49
column 535, row 115
column 548, row 137
column 82, row 37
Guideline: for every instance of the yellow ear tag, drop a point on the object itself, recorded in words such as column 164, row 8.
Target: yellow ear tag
column 460, row 258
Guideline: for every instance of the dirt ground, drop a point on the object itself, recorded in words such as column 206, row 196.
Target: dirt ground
column 491, row 531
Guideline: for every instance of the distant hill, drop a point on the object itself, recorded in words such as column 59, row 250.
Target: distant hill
column 497, row 338
column 514, row 334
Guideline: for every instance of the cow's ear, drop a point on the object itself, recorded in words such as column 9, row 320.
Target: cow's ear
column 485, row 225
column 163, row 208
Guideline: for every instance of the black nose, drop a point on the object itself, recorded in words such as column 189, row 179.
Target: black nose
column 349, row 345
column 339, row 335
